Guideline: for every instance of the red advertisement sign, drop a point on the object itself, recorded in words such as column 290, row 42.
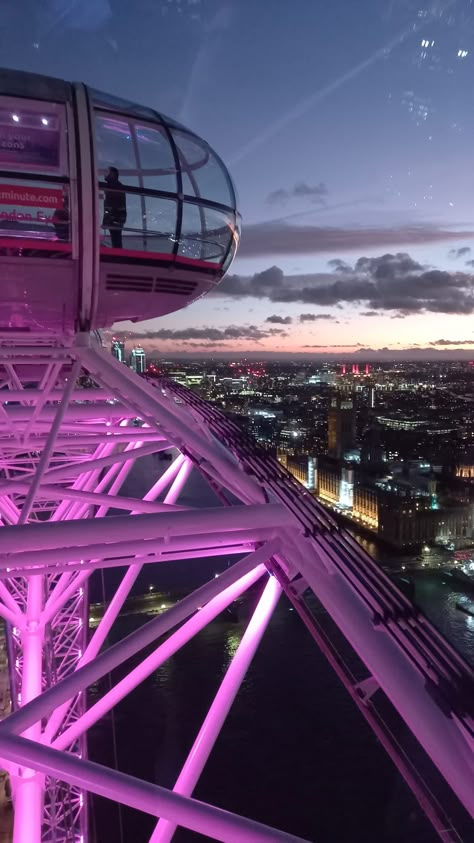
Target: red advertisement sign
column 37, row 197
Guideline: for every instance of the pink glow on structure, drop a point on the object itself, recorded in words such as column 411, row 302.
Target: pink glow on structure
column 29, row 790
column 215, row 718
column 175, row 641
column 45, row 565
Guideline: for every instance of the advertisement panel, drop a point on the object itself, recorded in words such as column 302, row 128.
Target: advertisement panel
column 35, row 197
column 29, row 148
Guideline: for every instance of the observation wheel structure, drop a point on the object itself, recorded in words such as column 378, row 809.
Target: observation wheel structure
column 74, row 421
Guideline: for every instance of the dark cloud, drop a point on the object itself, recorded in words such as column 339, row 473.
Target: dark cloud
column 370, row 313
column 455, row 254
column 313, row 317
column 200, row 336
column 277, row 197
column 279, row 320
column 452, row 342
column 393, row 282
column 301, row 190
column 281, row 238
column 317, row 191
column 338, row 264
column 469, row 263
column 330, row 345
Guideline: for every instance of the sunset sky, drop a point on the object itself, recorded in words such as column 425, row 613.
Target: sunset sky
column 349, row 130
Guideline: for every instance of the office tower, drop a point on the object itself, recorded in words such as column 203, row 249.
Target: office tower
column 138, row 360
column 118, row 350
column 341, row 426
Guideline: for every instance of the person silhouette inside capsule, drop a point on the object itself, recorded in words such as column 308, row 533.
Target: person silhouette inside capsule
column 115, row 207
column 61, row 221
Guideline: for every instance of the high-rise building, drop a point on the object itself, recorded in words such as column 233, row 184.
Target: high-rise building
column 118, row 350
column 341, row 425
column 138, row 360
column 372, row 454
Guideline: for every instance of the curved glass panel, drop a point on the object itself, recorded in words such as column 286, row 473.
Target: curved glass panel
column 137, row 222
column 205, row 234
column 160, row 224
column 233, row 246
column 112, row 103
column 140, row 221
column 114, row 144
column 203, row 173
column 156, row 158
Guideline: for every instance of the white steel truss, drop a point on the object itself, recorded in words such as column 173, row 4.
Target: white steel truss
column 73, row 423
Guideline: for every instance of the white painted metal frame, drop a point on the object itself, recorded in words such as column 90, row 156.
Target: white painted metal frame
column 65, row 452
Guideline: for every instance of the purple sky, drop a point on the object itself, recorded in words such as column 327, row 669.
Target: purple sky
column 348, row 128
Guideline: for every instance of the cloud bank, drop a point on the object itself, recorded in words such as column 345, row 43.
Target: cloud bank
column 281, row 238
column 314, row 193
column 204, row 336
column 391, row 282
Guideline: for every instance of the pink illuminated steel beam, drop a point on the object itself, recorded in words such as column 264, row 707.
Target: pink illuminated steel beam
column 33, row 396
column 114, row 489
column 75, row 413
column 124, row 553
column 402, row 681
column 133, row 643
column 29, row 788
column 56, row 474
column 139, row 394
column 143, row 796
column 54, row 605
column 71, row 535
column 49, row 445
column 52, row 493
column 243, row 543
column 85, row 480
column 11, row 617
column 210, row 610
column 29, row 785
column 111, row 482
column 181, row 469
column 172, row 644
column 45, row 387
column 215, row 718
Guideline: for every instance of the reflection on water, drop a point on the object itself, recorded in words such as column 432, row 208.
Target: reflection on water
column 438, row 601
column 232, row 642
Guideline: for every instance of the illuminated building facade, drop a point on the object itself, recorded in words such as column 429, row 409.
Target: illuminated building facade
column 138, row 360
column 303, row 468
column 329, row 481
column 366, row 506
column 341, row 426
column 465, row 471
column 118, row 350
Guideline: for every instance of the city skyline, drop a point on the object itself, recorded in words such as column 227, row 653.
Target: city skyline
column 349, row 139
